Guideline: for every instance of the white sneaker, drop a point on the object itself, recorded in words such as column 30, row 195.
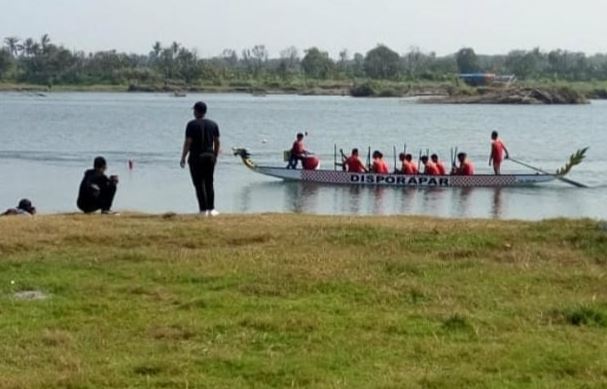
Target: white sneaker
column 212, row 213
column 203, row 213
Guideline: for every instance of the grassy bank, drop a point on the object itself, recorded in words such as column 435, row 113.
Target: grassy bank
column 140, row 301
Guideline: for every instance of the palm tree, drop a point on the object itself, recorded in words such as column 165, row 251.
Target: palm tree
column 12, row 43
column 35, row 49
column 175, row 49
column 45, row 40
column 157, row 48
column 28, row 46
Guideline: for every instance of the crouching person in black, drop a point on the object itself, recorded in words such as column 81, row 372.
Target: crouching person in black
column 97, row 191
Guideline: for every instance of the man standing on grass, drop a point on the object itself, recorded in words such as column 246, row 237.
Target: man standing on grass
column 201, row 148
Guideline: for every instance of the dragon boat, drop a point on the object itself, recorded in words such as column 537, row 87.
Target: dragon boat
column 341, row 177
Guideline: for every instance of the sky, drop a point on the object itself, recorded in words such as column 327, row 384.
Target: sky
column 209, row 26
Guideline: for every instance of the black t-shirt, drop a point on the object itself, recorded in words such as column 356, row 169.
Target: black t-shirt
column 202, row 132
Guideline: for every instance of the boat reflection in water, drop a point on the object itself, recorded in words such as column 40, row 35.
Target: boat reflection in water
column 496, row 209
column 299, row 197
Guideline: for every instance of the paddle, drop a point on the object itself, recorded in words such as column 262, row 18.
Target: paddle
column 575, row 159
column 454, row 160
column 394, row 150
column 344, row 158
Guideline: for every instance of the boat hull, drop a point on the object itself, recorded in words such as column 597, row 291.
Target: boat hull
column 338, row 177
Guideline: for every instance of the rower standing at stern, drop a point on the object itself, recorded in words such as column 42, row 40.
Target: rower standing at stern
column 498, row 152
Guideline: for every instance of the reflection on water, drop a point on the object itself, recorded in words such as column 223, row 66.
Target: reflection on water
column 523, row 203
column 496, row 210
column 300, row 197
column 461, row 201
column 379, row 194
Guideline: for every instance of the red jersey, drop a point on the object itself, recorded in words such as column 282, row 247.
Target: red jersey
column 355, row 165
column 409, row 168
column 466, row 168
column 431, row 169
column 380, row 166
column 298, row 148
column 441, row 168
column 497, row 150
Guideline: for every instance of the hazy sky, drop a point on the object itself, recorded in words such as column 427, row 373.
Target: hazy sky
column 443, row 26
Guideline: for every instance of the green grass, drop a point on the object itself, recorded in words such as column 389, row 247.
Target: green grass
column 303, row 301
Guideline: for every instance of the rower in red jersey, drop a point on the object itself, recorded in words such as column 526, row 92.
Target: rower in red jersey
column 429, row 167
column 353, row 163
column 499, row 152
column 465, row 168
column 440, row 166
column 409, row 168
column 298, row 152
column 379, row 165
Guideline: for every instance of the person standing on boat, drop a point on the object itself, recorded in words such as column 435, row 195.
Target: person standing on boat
column 97, row 190
column 298, row 152
column 353, row 163
column 201, row 148
column 408, row 167
column 429, row 167
column 440, row 166
column 498, row 152
column 379, row 166
column 465, row 168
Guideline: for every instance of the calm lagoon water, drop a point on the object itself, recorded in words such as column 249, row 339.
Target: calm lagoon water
column 47, row 142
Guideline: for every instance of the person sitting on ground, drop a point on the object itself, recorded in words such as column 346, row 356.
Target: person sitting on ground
column 298, row 152
column 409, row 167
column 353, row 163
column 97, row 191
column 440, row 166
column 429, row 167
column 379, row 165
column 498, row 152
column 25, row 208
column 465, row 168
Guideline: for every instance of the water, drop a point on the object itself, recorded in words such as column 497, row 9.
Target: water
column 47, row 142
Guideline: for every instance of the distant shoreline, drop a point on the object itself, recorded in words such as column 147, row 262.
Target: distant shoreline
column 439, row 93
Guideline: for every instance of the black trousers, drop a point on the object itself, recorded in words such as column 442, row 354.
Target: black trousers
column 202, row 169
column 102, row 202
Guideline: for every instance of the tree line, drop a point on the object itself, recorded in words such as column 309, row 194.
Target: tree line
column 41, row 61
